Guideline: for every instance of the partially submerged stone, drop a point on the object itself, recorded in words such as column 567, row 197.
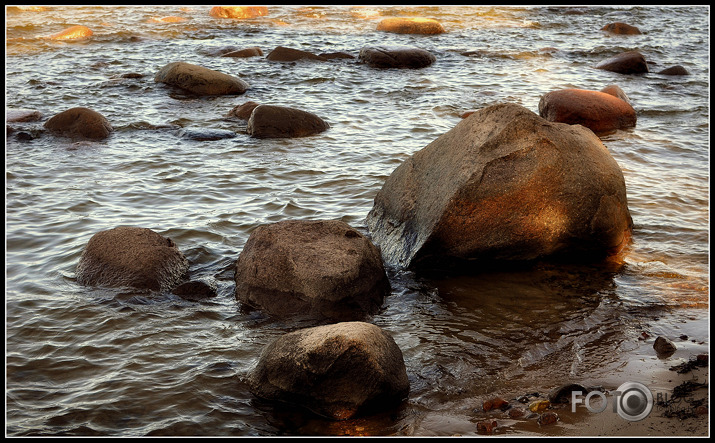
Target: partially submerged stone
column 504, row 185
column 621, row 28
column 338, row 371
column 396, row 57
column 283, row 54
column 270, row 121
column 129, row 256
column 599, row 111
column 411, row 25
column 200, row 80
column 79, row 122
column 630, row 62
column 72, row 33
column 320, row 269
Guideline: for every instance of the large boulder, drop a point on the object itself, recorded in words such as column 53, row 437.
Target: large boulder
column 630, row 62
column 79, row 122
column 503, row 186
column 338, row 371
column 270, row 121
column 283, row 54
column 200, row 80
column 599, row 111
column 238, row 12
column 411, row 25
column 621, row 28
column 396, row 57
column 129, row 256
column 319, row 269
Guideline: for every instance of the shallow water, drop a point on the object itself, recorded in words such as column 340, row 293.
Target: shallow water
column 88, row 361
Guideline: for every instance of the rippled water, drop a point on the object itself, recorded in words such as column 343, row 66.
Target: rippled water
column 87, row 361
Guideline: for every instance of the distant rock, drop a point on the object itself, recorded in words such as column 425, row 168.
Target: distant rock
column 411, row 25
column 630, row 62
column 338, row 371
column 131, row 257
column 318, row 269
column 21, row 115
column 238, row 12
column 396, row 57
column 503, row 186
column 674, row 70
column 245, row 53
column 664, row 347
column 79, row 122
column 283, row 54
column 199, row 80
column 621, row 28
column 270, row 121
column 598, row 111
column 72, row 33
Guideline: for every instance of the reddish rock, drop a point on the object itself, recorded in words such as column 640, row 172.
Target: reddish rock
column 548, row 418
column 616, row 91
column 621, row 28
column 486, row 427
column 80, row 123
column 504, row 185
column 466, row 114
column 517, row 412
column 72, row 33
column 598, row 111
column 238, row 11
column 243, row 111
column 411, row 25
column 631, row 62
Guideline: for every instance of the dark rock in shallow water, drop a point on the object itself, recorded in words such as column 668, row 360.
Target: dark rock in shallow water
column 321, row 269
column 269, row 121
column 339, row 371
column 195, row 290
column 199, row 80
column 503, row 186
column 664, row 347
column 133, row 257
column 283, row 54
column 674, row 70
column 80, row 123
column 205, row 134
column 621, row 28
column 396, row 57
column 631, row 62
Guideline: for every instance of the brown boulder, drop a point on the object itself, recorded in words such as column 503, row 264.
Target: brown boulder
column 411, row 25
column 133, row 257
column 396, row 57
column 664, row 347
column 598, row 111
column 338, row 371
column 243, row 111
column 283, row 54
column 616, row 91
column 244, row 53
column 319, row 269
column 79, row 123
column 630, row 62
column 503, row 185
column 238, row 11
column 621, row 28
column 674, row 70
column 269, row 121
column 199, row 80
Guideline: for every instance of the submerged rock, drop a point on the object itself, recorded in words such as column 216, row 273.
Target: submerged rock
column 195, row 290
column 21, row 115
column 411, row 25
column 621, row 28
column 396, row 57
column 339, row 371
column 503, row 185
column 321, row 269
column 199, row 80
column 79, row 122
column 269, row 121
column 630, row 62
column 599, row 111
column 133, row 257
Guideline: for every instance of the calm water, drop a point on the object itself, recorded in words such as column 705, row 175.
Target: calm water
column 83, row 361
